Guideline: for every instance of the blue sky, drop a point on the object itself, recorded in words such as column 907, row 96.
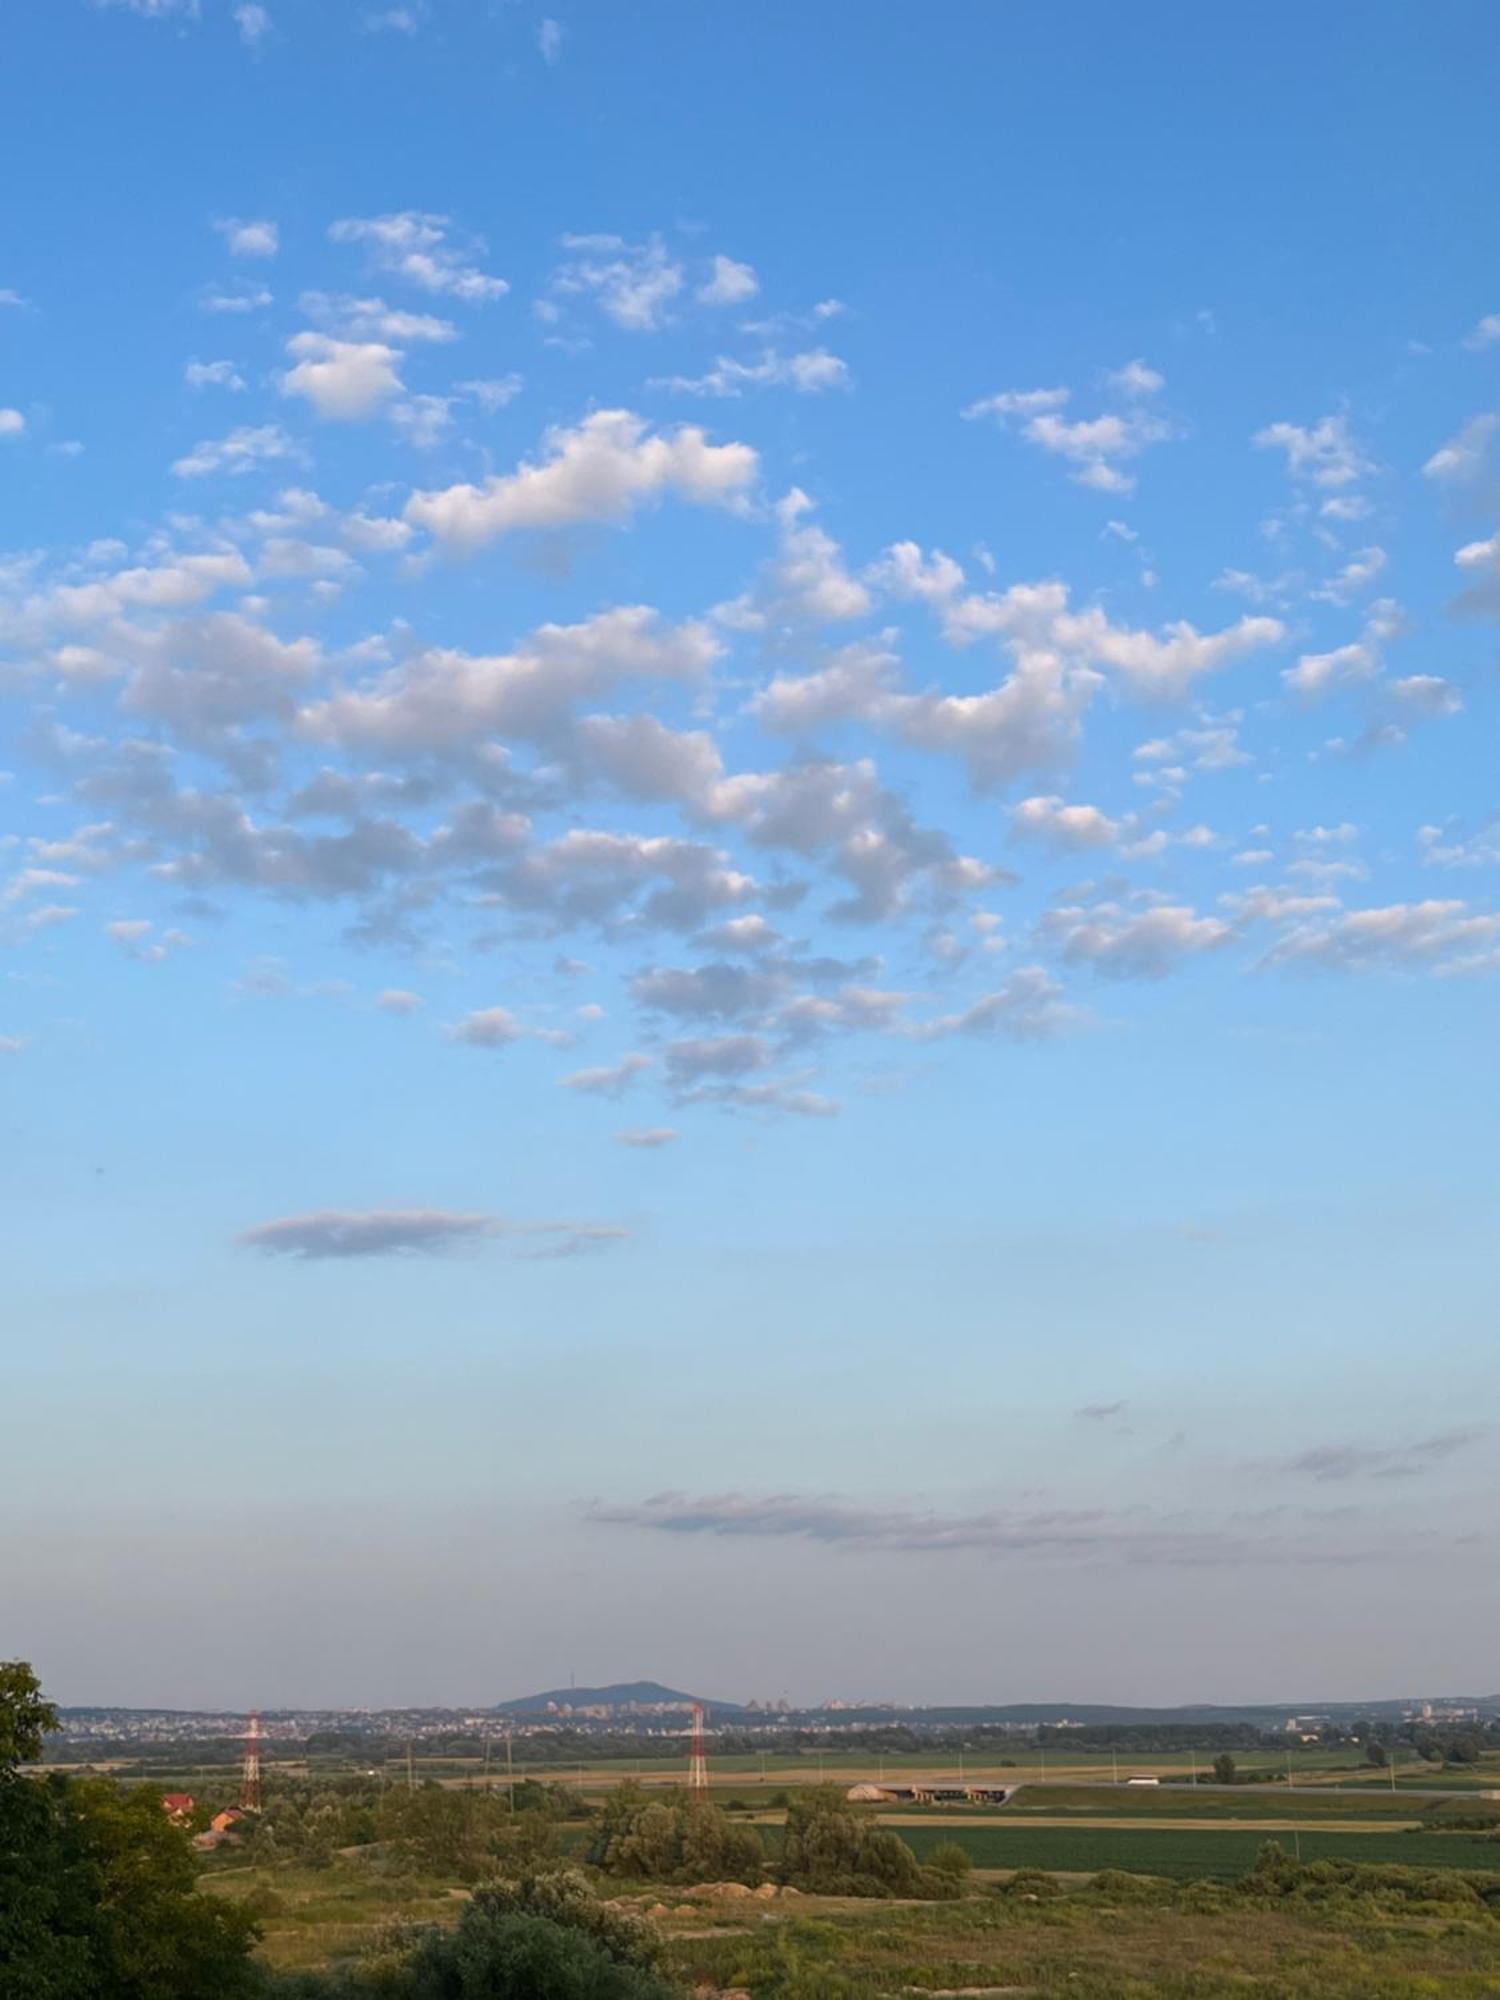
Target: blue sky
column 748, row 902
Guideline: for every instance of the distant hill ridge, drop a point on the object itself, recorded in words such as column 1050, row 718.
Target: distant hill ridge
column 620, row 1694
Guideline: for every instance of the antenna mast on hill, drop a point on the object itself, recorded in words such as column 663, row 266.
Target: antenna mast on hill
column 698, row 1758
column 250, row 1768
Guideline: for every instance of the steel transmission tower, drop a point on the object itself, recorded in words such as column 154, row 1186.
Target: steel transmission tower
column 250, row 1768
column 698, row 1758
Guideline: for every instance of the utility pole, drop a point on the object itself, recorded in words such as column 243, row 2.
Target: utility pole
column 1116, row 1756
column 486, row 1764
column 1194, row 1755
column 510, row 1772
column 411, row 1781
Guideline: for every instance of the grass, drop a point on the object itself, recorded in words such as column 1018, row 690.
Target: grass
column 1212, row 1853
column 1197, row 1802
column 1184, row 1944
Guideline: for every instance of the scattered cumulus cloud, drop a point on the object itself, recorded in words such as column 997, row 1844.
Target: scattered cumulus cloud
column 254, row 23
column 604, row 469
column 1099, row 449
column 420, row 249
column 346, row 1233
column 249, row 239
column 241, row 451
column 730, row 284
column 1337, row 1462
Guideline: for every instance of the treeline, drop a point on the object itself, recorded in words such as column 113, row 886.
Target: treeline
column 1161, row 1736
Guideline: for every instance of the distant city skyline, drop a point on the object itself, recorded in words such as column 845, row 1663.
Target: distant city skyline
column 748, row 850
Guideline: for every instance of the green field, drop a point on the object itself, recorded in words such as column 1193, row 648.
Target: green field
column 1215, row 1853
column 1196, row 1802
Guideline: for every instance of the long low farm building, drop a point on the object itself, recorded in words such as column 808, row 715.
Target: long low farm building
column 930, row 1792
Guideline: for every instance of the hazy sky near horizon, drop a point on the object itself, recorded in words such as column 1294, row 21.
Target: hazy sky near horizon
column 749, row 919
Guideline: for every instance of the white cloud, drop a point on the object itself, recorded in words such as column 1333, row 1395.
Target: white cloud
column 1019, row 403
column 237, row 298
column 249, row 239
column 395, row 20
column 1357, row 574
column 1480, row 563
column 852, row 685
column 810, row 374
column 139, row 939
column 170, row 585
column 372, row 319
column 415, row 245
column 1468, row 456
column 242, row 451
column 1427, row 695
column 1068, row 828
column 1326, row 454
column 215, row 671
column 633, row 284
column 1431, row 935
column 344, row 380
column 493, row 392
column 1135, row 940
column 487, row 1028
column 1486, row 333
column 444, row 698
column 155, row 10
column 340, row 1233
column 12, row 423
column 549, row 39
column 424, row 421
column 611, row 1080
column 730, row 285
column 808, row 582
column 1029, row 1007
column 1096, row 447
column 603, row 470
column 213, row 375
column 253, row 22
column 1318, row 674
column 647, row 1138
column 1136, row 379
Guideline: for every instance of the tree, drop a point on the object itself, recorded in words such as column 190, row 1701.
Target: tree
column 545, row 1938
column 659, row 1840
column 97, row 1897
column 1224, row 1769
column 833, row 1851
column 1376, row 1754
column 952, row 1862
column 25, row 1715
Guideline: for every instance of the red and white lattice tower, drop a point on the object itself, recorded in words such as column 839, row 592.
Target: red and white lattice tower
column 698, row 1758
column 250, row 1768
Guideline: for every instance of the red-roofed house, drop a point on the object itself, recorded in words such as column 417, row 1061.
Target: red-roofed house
column 178, row 1806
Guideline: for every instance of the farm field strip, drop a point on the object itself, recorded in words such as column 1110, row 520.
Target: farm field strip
column 1128, row 1823
column 1206, row 1850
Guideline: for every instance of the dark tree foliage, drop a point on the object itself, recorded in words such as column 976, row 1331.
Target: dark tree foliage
column 546, row 1937
column 97, row 1896
column 673, row 1840
column 832, row 1850
column 1160, row 1736
column 26, row 1716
